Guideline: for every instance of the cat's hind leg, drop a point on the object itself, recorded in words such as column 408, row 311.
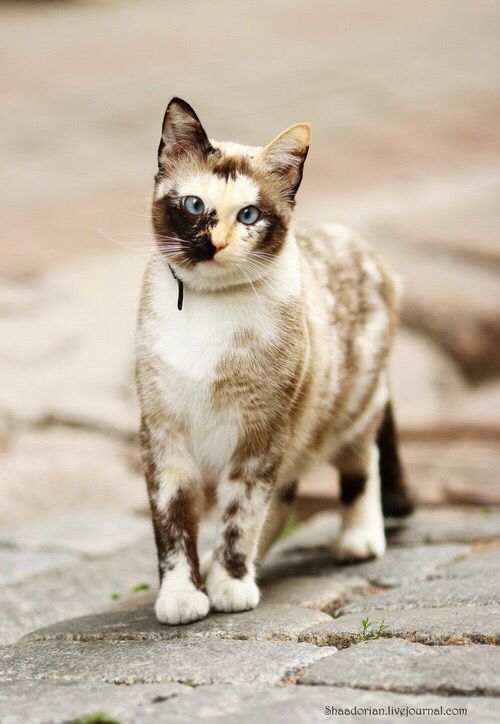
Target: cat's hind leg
column 280, row 508
column 362, row 534
column 396, row 500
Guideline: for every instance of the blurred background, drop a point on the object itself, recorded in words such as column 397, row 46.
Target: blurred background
column 404, row 102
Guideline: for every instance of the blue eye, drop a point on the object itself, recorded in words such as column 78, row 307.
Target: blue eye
column 193, row 205
column 248, row 215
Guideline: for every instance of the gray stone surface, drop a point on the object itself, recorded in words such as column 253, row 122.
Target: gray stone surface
column 91, row 532
column 131, row 662
column 406, row 667
column 445, row 526
column 308, row 705
column 460, row 625
column 48, row 702
column 267, row 621
column 77, row 590
column 401, row 565
column 480, row 563
column 479, row 591
column 325, row 593
column 17, row 565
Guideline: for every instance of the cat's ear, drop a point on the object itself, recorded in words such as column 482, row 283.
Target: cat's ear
column 285, row 157
column 182, row 131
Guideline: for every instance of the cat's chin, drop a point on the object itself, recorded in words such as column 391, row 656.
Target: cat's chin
column 210, row 276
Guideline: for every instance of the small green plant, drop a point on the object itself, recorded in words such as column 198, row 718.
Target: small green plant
column 140, row 587
column 98, row 717
column 290, row 526
column 367, row 631
column 486, row 512
column 115, row 596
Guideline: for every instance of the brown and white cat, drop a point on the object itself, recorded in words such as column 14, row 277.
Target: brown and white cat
column 261, row 350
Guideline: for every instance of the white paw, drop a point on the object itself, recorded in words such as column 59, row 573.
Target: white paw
column 231, row 594
column 181, row 606
column 358, row 544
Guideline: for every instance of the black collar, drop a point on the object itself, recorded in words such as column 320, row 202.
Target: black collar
column 180, row 283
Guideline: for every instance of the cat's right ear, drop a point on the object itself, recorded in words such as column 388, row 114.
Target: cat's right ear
column 181, row 132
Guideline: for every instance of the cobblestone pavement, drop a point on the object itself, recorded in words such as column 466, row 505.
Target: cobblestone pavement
column 430, row 635
column 403, row 99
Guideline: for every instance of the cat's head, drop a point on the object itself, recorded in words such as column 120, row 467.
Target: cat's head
column 221, row 211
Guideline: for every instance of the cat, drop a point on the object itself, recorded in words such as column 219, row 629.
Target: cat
column 261, row 349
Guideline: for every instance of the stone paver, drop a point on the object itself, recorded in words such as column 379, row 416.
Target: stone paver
column 401, row 565
column 174, row 703
column 434, row 626
column 267, row 621
column 90, row 532
column 325, row 593
column 43, row 702
column 82, row 588
column 406, row 667
column 16, row 566
column 446, row 526
column 314, row 705
column 131, row 662
column 479, row 591
column 481, row 563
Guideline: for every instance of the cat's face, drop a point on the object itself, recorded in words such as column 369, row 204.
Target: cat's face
column 221, row 210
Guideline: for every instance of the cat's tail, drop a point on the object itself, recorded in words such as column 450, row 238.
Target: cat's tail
column 396, row 499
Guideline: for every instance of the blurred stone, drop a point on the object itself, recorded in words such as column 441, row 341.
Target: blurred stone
column 453, row 471
column 16, row 566
column 480, row 563
column 402, row 565
column 405, row 667
column 479, row 408
column 425, row 384
column 68, row 354
column 454, row 302
column 445, row 526
column 73, row 468
column 91, row 532
column 438, row 593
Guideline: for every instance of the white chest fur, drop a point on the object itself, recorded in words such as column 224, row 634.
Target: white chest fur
column 190, row 343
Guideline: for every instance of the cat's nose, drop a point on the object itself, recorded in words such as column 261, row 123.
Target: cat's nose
column 219, row 237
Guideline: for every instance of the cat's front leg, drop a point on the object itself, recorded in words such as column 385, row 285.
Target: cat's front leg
column 230, row 570
column 174, row 496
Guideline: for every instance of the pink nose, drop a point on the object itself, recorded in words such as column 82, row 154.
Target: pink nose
column 219, row 244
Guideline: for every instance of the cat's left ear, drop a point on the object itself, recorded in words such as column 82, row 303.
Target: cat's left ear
column 285, row 157
column 182, row 131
